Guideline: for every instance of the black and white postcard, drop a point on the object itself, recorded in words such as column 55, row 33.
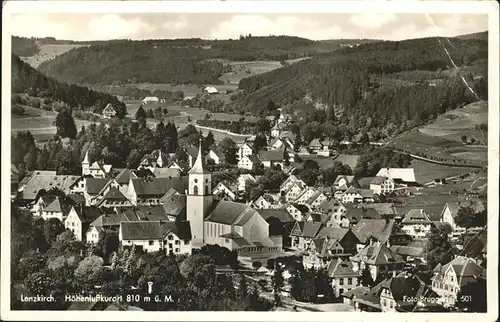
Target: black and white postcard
column 300, row 161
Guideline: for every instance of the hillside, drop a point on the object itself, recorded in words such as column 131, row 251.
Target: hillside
column 477, row 35
column 174, row 61
column 26, row 79
column 24, row 47
column 349, row 86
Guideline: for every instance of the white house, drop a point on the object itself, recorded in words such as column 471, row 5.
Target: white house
column 264, row 202
column 344, row 182
column 272, row 158
column 290, row 181
column 210, row 90
column 243, row 180
column 382, row 185
column 399, row 174
column 79, row 220
column 304, row 195
column 450, row 212
column 315, row 199
column 416, row 223
column 293, row 191
column 108, row 111
column 344, row 278
column 224, row 190
column 54, row 210
column 150, row 100
column 298, row 211
column 215, row 156
column 249, row 162
column 171, row 237
column 94, row 234
column 244, row 149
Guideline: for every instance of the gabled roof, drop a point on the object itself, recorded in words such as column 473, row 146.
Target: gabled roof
column 349, row 179
column 253, row 158
column 339, row 268
column 313, row 197
column 182, row 164
column 149, row 213
column 231, row 213
column 354, row 214
column 378, row 254
column 380, row 229
column 382, row 208
column 124, row 176
column 416, row 216
column 87, row 214
column 45, row 180
column 310, row 229
column 211, row 89
column 54, row 206
column 275, row 155
column 333, row 233
column 465, row 268
column 329, row 205
column 280, row 213
column 150, row 98
column 409, row 250
column 174, row 204
column 379, row 180
column 315, row 143
column 301, row 207
column 403, row 174
column 167, row 172
column 237, row 238
column 402, row 285
column 150, row 230
column 355, row 292
column 114, row 194
column 158, row 186
column 109, row 109
column 94, row 185
column 455, row 206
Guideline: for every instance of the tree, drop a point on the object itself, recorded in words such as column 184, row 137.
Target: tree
column 65, row 124
column 366, row 278
column 243, row 287
column 467, row 218
column 262, row 126
column 309, row 176
column 209, row 140
column 278, row 282
column 472, row 296
column 259, row 142
column 140, row 116
column 438, row 247
column 89, row 272
column 228, row 148
column 40, row 283
column 310, row 165
column 464, row 138
column 52, row 227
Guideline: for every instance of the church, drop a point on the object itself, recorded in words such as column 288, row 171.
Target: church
column 233, row 225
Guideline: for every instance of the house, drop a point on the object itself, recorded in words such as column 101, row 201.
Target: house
column 272, row 158
column 348, row 297
column 334, row 209
column 179, row 164
column 353, row 195
column 303, row 233
column 215, row 156
column 97, row 169
column 304, row 195
column 156, row 159
column 225, row 191
column 450, row 212
column 244, row 149
column 330, row 243
column 344, row 278
column 250, row 163
column 79, row 220
column 58, row 208
column 109, row 111
column 414, row 254
column 381, row 229
column 96, row 188
column 290, row 181
column 94, row 234
column 292, row 192
column 378, row 258
column 46, row 180
column 172, row 237
column 192, row 153
column 266, row 201
column 402, row 175
column 114, row 198
column 382, row 185
column 448, row 279
column 211, row 90
column 416, row 223
column 150, row 100
column 315, row 200
column 353, row 215
column 343, row 182
column 279, row 143
column 298, row 211
column 174, row 205
column 243, row 180
column 317, row 145
column 277, row 129
column 123, row 178
column 148, row 191
column 395, row 294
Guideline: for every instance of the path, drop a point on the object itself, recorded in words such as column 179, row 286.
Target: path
column 438, row 162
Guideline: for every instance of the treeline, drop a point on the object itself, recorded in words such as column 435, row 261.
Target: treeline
column 239, row 126
column 26, row 79
column 24, row 47
column 374, row 159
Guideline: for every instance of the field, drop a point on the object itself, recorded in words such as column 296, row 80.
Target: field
column 39, row 122
column 48, row 52
column 443, row 138
column 427, row 172
column 246, row 69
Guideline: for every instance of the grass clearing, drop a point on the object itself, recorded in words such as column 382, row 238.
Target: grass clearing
column 48, row 52
column 426, row 172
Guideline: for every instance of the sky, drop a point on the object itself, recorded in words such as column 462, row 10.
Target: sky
column 387, row 26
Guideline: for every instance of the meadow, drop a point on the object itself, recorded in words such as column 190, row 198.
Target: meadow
column 48, row 52
column 427, row 172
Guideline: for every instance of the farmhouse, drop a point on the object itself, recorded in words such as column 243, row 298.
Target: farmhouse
column 382, row 185
column 79, row 220
column 150, row 100
column 272, row 158
column 416, row 223
column 344, row 278
column 211, row 90
column 249, row 162
column 244, row 149
column 108, row 111
column 403, row 175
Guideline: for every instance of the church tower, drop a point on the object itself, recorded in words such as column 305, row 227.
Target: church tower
column 86, row 164
column 199, row 199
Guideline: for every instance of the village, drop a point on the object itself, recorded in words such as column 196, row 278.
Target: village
column 378, row 256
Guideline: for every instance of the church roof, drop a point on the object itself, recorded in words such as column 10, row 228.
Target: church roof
column 231, row 213
column 198, row 164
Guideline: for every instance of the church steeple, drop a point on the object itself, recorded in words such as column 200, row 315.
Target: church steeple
column 86, row 158
column 198, row 163
column 86, row 164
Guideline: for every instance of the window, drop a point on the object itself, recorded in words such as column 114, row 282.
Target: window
column 341, row 281
column 195, row 189
column 186, row 242
column 349, row 281
column 150, row 242
column 195, row 180
column 177, row 250
column 206, row 190
column 170, row 237
column 226, row 240
column 206, row 180
column 177, row 242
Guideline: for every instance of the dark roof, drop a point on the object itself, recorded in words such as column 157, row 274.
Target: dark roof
column 402, row 285
column 88, row 214
column 319, row 217
column 77, row 198
column 378, row 180
column 254, row 159
column 166, row 172
column 231, row 213
column 382, row 208
column 409, row 250
column 339, row 268
column 355, row 291
column 237, row 238
column 280, row 213
column 124, row 176
column 140, row 230
column 271, row 155
column 300, row 207
column 466, row 270
column 151, row 213
column 309, row 229
column 158, row 186
column 333, row 232
column 378, row 254
column 192, row 151
column 45, row 180
column 173, row 204
column 416, row 216
column 114, row 194
column 182, row 229
column 95, row 185
column 356, row 214
column 181, row 163
column 381, row 229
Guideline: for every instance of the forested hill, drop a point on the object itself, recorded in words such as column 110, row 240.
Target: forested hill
column 389, row 83
column 24, row 47
column 176, row 61
column 26, row 79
